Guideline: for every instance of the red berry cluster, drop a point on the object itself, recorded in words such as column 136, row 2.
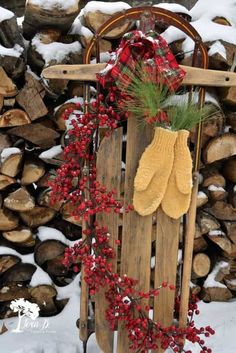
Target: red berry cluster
column 76, row 184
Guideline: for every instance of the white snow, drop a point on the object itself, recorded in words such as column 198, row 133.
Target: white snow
column 104, row 7
column 55, row 51
column 210, row 281
column 20, row 20
column 104, row 58
column 58, row 4
column 216, row 233
column 183, row 99
column 217, row 47
column 5, row 14
column 40, row 277
column 51, row 153
column 232, row 281
column 201, row 195
column 214, row 8
column 215, row 188
column 16, row 51
column 153, row 261
column 173, row 7
column 7, row 152
column 78, row 28
column 45, row 233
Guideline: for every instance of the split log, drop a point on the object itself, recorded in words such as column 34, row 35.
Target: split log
column 95, row 14
column 207, row 222
column 221, row 21
column 231, row 120
column 30, row 97
column 9, row 102
column 38, row 216
column 21, row 272
column 46, row 178
column 202, row 199
column 33, row 170
column 46, row 15
column 229, row 170
column 19, row 235
column 41, row 53
column 11, row 165
column 55, row 267
column 215, row 179
column 217, row 193
column 60, row 114
column 220, row 148
column 5, row 142
column 223, row 211
column 14, row 117
column 44, row 199
column 19, row 200
column 230, row 281
column 230, row 228
column 44, row 296
column 5, row 181
column 48, row 250
column 228, row 96
column 221, row 55
column 229, row 248
column 12, row 45
column 7, row 87
column 213, row 289
column 201, row 265
column 7, row 261
column 199, row 244
column 66, row 212
column 8, row 220
column 13, row 291
column 37, row 134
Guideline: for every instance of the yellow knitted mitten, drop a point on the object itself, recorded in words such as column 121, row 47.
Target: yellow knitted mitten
column 177, row 197
column 153, row 172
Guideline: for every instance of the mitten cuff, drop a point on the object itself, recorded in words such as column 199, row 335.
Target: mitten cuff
column 182, row 141
column 164, row 139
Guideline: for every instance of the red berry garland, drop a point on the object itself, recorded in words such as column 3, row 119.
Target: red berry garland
column 76, row 183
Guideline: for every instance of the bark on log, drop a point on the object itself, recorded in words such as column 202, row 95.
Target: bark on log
column 30, row 98
column 37, row 134
column 39, row 17
column 8, row 220
column 38, row 216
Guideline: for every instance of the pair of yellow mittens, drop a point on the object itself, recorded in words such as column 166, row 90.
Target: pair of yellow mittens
column 164, row 175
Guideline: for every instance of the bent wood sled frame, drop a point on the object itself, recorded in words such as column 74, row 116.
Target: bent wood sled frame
column 137, row 231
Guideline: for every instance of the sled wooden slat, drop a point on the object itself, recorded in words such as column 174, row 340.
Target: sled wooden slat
column 109, row 175
column 194, row 76
column 137, row 230
column 167, row 244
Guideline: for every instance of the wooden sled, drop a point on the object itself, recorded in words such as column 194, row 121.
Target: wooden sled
column 137, row 232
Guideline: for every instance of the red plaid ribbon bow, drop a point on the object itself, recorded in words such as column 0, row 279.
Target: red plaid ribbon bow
column 152, row 51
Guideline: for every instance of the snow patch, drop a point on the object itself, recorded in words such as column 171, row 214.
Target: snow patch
column 16, row 51
column 58, row 4
column 5, row 14
column 78, row 28
column 217, row 47
column 210, row 281
column 216, row 233
column 7, row 152
column 104, row 58
column 173, row 7
column 55, row 51
column 215, row 188
column 51, row 153
column 46, row 233
column 201, row 195
column 104, row 7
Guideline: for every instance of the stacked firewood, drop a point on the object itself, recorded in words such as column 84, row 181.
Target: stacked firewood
column 33, row 232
